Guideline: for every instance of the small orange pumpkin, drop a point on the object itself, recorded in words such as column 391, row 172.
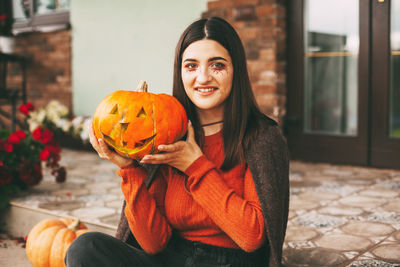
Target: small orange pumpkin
column 134, row 123
column 49, row 240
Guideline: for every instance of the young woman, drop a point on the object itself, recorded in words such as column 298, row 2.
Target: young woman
column 220, row 197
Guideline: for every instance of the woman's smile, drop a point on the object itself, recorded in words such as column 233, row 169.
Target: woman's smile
column 205, row 91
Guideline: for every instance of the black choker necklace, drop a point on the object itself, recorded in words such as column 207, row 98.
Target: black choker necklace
column 212, row 123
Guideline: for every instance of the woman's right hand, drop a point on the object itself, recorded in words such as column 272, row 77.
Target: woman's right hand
column 105, row 153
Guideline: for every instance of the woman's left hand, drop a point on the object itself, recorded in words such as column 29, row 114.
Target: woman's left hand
column 179, row 155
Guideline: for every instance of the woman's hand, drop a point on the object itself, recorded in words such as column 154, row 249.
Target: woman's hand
column 179, row 155
column 105, row 153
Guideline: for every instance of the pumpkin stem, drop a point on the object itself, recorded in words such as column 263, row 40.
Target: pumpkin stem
column 142, row 87
column 75, row 225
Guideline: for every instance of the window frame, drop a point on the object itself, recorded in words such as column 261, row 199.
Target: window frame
column 42, row 22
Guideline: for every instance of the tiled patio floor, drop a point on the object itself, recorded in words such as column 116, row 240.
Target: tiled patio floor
column 339, row 215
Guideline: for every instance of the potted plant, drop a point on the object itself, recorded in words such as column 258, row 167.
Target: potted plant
column 22, row 156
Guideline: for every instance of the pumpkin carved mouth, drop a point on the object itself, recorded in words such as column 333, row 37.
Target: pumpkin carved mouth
column 142, row 144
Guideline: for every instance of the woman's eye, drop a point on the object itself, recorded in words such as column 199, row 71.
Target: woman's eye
column 191, row 66
column 218, row 65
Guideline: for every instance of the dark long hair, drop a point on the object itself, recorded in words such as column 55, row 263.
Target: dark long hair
column 241, row 112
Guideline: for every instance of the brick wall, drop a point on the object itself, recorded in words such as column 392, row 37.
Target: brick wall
column 48, row 69
column 262, row 28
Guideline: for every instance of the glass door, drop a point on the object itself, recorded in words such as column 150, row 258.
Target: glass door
column 331, row 47
column 344, row 82
column 327, row 68
column 395, row 70
column 385, row 83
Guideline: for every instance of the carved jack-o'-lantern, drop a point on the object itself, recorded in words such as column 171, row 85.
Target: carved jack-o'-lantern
column 135, row 123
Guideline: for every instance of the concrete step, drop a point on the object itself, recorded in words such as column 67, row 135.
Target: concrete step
column 17, row 220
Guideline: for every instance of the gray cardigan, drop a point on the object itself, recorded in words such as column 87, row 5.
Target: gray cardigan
column 268, row 160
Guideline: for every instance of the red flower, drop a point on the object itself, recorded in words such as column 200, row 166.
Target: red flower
column 14, row 138
column 21, row 134
column 8, row 147
column 47, row 136
column 3, row 17
column 25, row 109
column 37, row 133
column 45, row 154
column 1, row 163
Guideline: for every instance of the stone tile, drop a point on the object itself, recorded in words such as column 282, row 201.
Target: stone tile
column 341, row 211
column 116, row 190
column 338, row 188
column 384, row 217
column 300, row 233
column 361, row 201
column 368, row 229
column 92, row 212
column 342, row 242
column 69, row 192
column 319, row 178
column 389, row 253
column 105, row 185
column 115, row 204
column 61, row 205
column 301, row 204
column 318, row 221
column 390, row 184
column 356, row 181
column 393, row 206
column 372, row 263
column 384, row 193
column 397, row 235
column 318, row 196
column 111, row 220
column 312, row 257
column 338, row 172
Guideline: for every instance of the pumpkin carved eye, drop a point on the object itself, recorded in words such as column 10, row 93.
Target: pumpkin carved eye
column 142, row 114
column 144, row 141
column 114, row 109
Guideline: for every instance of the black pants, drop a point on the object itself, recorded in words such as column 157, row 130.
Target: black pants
column 98, row 249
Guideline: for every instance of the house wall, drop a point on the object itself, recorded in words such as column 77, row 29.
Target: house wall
column 262, row 28
column 48, row 67
column 114, row 46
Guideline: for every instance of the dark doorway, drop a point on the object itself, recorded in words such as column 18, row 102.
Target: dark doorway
column 344, row 81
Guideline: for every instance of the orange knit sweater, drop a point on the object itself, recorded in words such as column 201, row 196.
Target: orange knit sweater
column 222, row 208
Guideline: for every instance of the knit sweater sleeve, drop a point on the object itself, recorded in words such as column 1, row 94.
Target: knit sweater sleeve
column 145, row 209
column 240, row 217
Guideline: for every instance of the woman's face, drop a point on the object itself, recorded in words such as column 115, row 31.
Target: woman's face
column 207, row 74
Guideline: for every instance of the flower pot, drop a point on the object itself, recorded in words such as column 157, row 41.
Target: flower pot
column 7, row 44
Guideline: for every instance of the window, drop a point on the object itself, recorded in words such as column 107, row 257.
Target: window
column 40, row 15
